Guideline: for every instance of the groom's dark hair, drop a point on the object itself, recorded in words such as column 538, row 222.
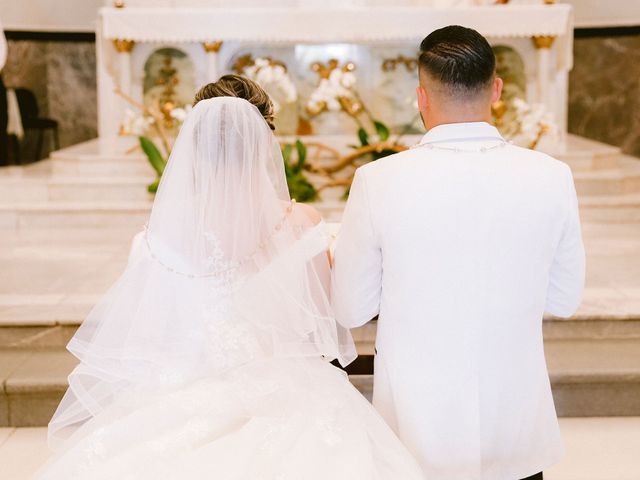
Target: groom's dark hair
column 459, row 58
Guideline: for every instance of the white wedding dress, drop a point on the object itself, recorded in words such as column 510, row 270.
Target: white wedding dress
column 209, row 357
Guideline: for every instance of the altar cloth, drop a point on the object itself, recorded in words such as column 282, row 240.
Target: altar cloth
column 323, row 25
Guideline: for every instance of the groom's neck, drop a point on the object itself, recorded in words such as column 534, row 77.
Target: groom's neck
column 464, row 114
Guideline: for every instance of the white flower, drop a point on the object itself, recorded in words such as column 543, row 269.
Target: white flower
column 274, row 79
column 179, row 114
column 135, row 124
column 333, row 104
column 348, row 80
column 329, row 91
column 533, row 120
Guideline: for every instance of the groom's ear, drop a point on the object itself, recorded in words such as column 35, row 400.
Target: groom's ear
column 422, row 98
column 496, row 90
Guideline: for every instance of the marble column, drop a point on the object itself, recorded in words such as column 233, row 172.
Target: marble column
column 124, row 48
column 212, row 49
column 543, row 46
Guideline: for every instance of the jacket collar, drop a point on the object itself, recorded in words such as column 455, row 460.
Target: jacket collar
column 461, row 132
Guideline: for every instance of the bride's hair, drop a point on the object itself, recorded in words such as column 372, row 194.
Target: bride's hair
column 241, row 87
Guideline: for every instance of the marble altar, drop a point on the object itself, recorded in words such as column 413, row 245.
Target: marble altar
column 213, row 34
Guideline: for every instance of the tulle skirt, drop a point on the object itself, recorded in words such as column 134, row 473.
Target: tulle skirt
column 279, row 419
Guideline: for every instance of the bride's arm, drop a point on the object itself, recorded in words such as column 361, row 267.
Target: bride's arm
column 315, row 217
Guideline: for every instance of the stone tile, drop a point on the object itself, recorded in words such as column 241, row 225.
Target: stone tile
column 599, row 449
column 70, row 314
column 36, row 387
column 23, row 453
column 594, row 399
column 582, row 358
column 43, row 370
column 10, row 360
column 592, row 328
column 35, row 337
column 5, row 433
column 33, row 409
column 595, row 377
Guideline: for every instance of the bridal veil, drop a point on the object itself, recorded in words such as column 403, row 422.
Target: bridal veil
column 228, row 271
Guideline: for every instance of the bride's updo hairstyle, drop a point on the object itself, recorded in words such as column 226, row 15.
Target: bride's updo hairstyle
column 241, row 87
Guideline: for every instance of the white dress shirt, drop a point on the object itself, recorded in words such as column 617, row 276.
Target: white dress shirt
column 460, row 245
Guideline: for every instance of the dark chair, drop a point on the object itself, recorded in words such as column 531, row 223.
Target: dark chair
column 31, row 120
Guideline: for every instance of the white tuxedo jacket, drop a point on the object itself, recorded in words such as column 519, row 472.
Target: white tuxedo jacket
column 460, row 253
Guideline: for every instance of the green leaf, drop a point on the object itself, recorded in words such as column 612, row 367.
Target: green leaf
column 286, row 153
column 153, row 187
column 382, row 130
column 153, row 155
column 302, row 154
column 363, row 136
column 301, row 189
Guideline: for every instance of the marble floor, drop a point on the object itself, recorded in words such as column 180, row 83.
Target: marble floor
column 596, row 449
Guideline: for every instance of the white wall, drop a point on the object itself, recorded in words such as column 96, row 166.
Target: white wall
column 50, row 15
column 606, row 13
column 80, row 15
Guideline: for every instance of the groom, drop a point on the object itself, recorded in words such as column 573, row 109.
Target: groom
column 459, row 245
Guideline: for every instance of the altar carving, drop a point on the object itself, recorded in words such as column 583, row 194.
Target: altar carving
column 382, row 50
column 168, row 78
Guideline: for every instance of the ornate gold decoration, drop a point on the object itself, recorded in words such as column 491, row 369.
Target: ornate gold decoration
column 123, row 46
column 353, row 106
column 502, row 2
column 390, row 64
column 498, row 109
column 212, row 47
column 169, row 79
column 543, row 41
column 325, row 70
column 247, row 60
column 549, row 2
column 118, row 4
column 331, row 164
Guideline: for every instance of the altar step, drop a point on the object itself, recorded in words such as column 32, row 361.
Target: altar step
column 54, row 190
column 106, row 215
column 96, row 187
column 97, row 183
column 589, row 378
column 625, row 179
column 583, row 154
column 49, row 321
column 114, row 213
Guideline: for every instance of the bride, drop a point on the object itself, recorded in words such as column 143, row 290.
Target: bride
column 209, row 357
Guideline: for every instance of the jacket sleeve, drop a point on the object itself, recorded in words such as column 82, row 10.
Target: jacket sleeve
column 567, row 275
column 357, row 272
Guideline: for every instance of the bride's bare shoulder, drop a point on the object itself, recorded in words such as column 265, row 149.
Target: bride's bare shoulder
column 309, row 212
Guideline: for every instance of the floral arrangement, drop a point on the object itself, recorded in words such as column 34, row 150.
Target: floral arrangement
column 335, row 90
column 271, row 75
column 534, row 121
column 523, row 123
column 151, row 124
